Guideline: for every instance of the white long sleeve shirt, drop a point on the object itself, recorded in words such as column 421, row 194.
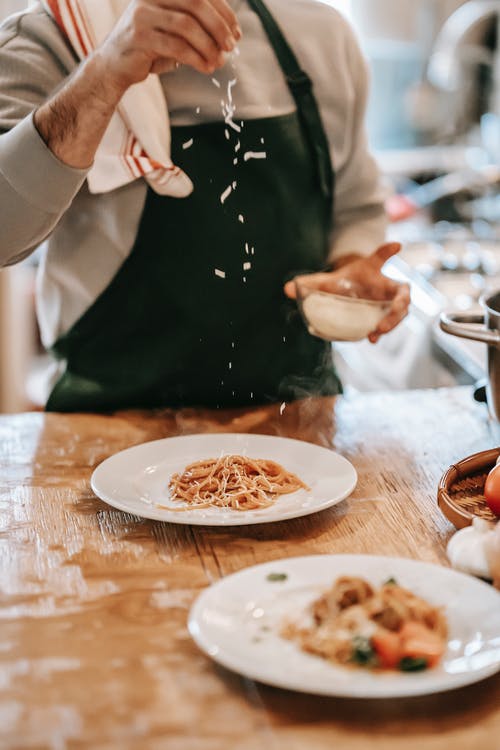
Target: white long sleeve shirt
column 90, row 236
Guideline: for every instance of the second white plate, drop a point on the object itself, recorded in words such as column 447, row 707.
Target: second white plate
column 136, row 480
column 238, row 620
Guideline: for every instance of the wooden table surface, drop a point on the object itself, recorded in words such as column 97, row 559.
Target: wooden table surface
column 94, row 649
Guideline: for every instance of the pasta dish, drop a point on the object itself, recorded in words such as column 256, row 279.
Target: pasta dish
column 235, row 482
column 386, row 628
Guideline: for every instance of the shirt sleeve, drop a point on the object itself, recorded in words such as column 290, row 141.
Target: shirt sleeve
column 36, row 187
column 359, row 214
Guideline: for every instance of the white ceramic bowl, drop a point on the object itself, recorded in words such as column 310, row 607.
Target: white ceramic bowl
column 341, row 316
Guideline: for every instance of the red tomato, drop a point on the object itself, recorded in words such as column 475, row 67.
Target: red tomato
column 388, row 648
column 420, row 642
column 492, row 490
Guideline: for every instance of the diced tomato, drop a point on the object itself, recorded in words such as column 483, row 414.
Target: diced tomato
column 388, row 648
column 417, row 641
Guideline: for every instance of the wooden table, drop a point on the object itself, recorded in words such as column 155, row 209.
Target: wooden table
column 94, row 648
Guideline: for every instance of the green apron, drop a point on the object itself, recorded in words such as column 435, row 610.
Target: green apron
column 196, row 315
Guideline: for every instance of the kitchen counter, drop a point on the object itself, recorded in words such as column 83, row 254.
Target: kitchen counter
column 94, row 649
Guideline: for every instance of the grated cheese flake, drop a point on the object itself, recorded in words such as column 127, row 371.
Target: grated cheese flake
column 227, row 192
column 232, row 124
column 254, row 155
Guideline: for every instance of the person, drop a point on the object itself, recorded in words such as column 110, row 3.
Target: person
column 147, row 300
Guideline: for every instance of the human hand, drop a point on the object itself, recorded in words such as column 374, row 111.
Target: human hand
column 152, row 36
column 366, row 274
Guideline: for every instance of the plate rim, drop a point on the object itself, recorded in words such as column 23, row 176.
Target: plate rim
column 178, row 518
column 419, row 689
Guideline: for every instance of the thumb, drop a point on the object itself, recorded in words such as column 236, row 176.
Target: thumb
column 290, row 289
column 384, row 252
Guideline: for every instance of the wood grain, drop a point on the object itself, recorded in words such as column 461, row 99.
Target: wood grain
column 94, row 650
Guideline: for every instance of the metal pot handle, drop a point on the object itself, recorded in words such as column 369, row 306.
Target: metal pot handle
column 468, row 327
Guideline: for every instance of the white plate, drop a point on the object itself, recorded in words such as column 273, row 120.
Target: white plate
column 136, row 480
column 237, row 622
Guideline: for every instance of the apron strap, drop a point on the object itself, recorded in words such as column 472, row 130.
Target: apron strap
column 301, row 88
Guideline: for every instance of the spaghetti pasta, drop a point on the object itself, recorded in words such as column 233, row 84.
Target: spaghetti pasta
column 234, row 482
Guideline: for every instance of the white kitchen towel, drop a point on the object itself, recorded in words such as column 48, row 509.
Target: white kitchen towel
column 137, row 141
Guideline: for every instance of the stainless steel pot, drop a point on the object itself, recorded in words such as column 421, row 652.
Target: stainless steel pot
column 485, row 328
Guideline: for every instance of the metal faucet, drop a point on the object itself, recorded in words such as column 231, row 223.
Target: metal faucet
column 455, row 44
column 444, row 69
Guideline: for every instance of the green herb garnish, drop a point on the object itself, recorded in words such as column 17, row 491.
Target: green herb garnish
column 413, row 664
column 274, row 577
column 363, row 652
column 391, row 582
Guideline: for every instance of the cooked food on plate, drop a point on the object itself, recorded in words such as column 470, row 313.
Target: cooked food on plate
column 234, row 482
column 385, row 628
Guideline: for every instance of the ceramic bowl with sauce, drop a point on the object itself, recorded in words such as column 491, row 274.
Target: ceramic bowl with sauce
column 342, row 316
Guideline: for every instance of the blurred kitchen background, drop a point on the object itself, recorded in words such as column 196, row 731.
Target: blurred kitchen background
column 434, row 125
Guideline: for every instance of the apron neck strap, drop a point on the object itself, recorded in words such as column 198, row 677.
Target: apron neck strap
column 301, row 88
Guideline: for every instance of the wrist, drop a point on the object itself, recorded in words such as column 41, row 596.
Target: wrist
column 107, row 88
column 73, row 122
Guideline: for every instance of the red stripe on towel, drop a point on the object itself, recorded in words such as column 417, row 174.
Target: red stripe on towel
column 77, row 30
column 83, row 24
column 54, row 7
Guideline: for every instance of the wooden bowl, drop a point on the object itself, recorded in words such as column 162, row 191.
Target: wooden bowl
column 460, row 491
